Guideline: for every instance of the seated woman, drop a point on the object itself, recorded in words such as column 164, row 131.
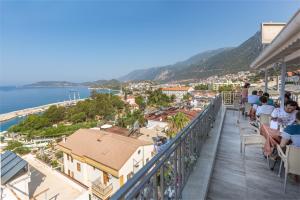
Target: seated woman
column 285, row 116
column 264, row 108
column 291, row 133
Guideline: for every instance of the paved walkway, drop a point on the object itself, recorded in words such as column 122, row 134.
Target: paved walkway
column 237, row 178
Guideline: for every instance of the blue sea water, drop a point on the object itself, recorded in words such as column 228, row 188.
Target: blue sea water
column 14, row 98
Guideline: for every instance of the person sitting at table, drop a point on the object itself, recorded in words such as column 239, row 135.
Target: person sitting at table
column 264, row 108
column 258, row 103
column 285, row 116
column 252, row 99
column 260, row 93
column 270, row 101
column 291, row 133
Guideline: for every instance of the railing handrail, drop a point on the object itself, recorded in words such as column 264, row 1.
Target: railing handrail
column 159, row 158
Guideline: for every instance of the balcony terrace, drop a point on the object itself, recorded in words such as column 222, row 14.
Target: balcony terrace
column 100, row 190
column 204, row 162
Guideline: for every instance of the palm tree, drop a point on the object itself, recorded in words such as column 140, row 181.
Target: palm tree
column 177, row 123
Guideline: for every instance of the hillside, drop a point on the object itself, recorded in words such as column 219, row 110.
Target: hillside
column 161, row 73
column 113, row 84
column 52, row 84
column 220, row 61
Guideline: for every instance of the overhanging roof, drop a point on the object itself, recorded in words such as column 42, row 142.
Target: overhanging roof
column 11, row 164
column 286, row 45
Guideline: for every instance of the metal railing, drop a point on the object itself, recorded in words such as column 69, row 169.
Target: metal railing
column 101, row 190
column 165, row 175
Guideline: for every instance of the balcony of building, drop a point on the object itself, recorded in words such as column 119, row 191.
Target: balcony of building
column 100, row 190
column 204, row 162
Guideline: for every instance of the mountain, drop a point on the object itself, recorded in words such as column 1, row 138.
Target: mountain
column 52, row 84
column 158, row 73
column 113, row 84
column 215, row 62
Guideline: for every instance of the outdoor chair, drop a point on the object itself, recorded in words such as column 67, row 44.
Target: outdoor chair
column 264, row 119
column 237, row 106
column 249, row 136
column 247, row 107
column 291, row 161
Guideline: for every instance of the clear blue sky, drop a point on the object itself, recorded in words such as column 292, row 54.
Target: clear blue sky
column 90, row 40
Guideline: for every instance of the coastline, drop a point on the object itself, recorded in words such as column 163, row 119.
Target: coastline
column 34, row 110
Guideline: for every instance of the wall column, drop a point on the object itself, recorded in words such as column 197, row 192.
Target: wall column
column 266, row 80
column 282, row 89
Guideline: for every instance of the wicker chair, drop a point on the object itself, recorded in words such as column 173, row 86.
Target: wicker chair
column 291, row 161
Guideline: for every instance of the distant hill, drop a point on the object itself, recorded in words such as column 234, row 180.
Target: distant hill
column 52, row 84
column 215, row 62
column 113, row 84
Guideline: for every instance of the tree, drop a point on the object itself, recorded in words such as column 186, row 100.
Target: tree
column 157, row 98
column 140, row 101
column 186, row 97
column 177, row 123
column 55, row 114
column 17, row 147
column 78, row 117
column 201, row 87
column 226, row 88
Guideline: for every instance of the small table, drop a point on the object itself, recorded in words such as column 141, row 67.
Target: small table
column 272, row 138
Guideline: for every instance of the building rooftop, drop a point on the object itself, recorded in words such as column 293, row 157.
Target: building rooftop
column 11, row 165
column 109, row 149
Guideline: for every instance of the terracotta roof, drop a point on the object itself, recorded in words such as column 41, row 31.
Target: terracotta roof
column 176, row 89
column 109, row 149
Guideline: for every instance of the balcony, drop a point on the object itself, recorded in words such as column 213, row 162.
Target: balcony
column 204, row 162
column 100, row 190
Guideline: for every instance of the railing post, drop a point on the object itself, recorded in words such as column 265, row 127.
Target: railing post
column 155, row 187
column 162, row 188
column 175, row 174
column 180, row 167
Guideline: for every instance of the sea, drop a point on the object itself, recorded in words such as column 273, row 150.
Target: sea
column 16, row 98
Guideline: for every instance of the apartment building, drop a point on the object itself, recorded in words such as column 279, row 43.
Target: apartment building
column 103, row 161
column 179, row 92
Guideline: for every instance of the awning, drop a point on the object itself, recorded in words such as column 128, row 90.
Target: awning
column 286, row 45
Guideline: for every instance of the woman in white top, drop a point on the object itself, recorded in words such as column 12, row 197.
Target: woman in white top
column 264, row 108
column 286, row 116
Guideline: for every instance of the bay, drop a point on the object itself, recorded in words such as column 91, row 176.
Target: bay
column 17, row 98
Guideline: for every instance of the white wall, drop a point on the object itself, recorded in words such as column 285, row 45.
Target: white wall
column 145, row 152
column 85, row 175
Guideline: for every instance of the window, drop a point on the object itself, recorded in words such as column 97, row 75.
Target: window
column 129, row 175
column 71, row 158
column 67, row 156
column 139, row 151
column 94, row 167
column 78, row 167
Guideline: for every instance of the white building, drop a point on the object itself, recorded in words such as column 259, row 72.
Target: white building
column 179, row 92
column 103, row 161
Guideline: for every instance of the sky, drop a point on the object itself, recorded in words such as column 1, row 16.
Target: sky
column 90, row 40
